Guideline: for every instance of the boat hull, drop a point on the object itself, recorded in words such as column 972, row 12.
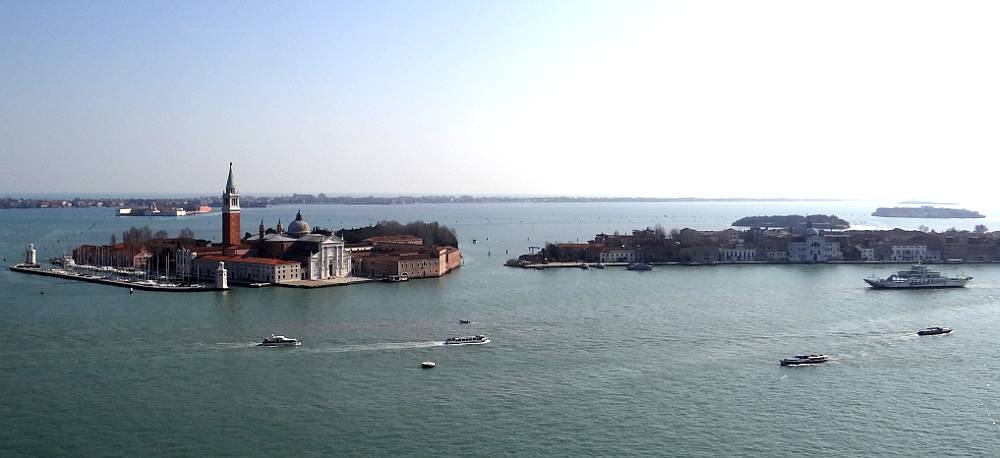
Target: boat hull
column 879, row 284
column 289, row 344
column 786, row 362
column 480, row 342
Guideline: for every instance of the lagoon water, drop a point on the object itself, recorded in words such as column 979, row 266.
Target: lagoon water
column 679, row 361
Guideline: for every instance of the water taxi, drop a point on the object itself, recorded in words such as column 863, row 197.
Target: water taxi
column 279, row 341
column 639, row 266
column 804, row 359
column 467, row 340
column 933, row 331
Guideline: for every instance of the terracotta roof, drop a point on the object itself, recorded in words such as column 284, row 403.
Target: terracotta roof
column 393, row 238
column 247, row 260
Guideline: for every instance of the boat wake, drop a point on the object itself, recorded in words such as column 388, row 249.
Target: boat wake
column 383, row 346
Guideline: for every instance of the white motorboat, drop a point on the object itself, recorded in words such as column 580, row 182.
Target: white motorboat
column 805, row 359
column 279, row 341
column 428, row 364
column 467, row 340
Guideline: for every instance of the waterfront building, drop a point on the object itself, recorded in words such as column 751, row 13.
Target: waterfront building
column 777, row 256
column 246, row 269
column 867, row 253
column 909, row 253
column 410, row 260
column 321, row 256
column 271, row 256
column 612, row 254
column 813, row 247
column 737, row 254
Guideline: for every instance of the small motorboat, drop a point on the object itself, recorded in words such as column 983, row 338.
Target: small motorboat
column 464, row 321
column 584, row 266
column 599, row 265
column 428, row 364
column 467, row 340
column 639, row 266
column 933, row 331
column 279, row 341
column 805, row 359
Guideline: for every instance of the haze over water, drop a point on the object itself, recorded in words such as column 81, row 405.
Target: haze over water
column 676, row 361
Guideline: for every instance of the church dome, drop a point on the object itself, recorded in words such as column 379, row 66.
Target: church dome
column 298, row 227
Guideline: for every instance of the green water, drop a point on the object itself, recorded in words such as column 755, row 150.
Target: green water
column 679, row 361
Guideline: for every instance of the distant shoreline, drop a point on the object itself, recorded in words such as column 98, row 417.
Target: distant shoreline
column 308, row 199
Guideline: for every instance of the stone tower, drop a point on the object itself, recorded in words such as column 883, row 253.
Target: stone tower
column 230, row 216
column 221, row 277
column 30, row 255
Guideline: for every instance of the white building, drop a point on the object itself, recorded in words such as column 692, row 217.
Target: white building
column 867, row 254
column 737, row 254
column 909, row 253
column 777, row 255
column 620, row 255
column 813, row 248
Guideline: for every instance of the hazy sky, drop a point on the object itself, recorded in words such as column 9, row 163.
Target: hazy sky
column 861, row 99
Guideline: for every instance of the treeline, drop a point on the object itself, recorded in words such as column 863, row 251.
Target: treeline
column 432, row 233
column 136, row 237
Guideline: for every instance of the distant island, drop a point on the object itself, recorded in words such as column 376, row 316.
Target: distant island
column 924, row 202
column 193, row 203
column 926, row 211
column 793, row 222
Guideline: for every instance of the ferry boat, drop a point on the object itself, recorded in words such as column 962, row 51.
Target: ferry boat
column 918, row 276
column 933, row 331
column 279, row 341
column 804, row 359
column 467, row 340
column 639, row 266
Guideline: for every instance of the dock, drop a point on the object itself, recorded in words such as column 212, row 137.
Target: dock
column 38, row 270
column 327, row 283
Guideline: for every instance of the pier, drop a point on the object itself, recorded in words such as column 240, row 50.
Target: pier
column 69, row 275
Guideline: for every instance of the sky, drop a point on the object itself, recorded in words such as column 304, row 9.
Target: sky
column 793, row 99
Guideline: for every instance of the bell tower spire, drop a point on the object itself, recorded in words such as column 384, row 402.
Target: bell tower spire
column 230, row 216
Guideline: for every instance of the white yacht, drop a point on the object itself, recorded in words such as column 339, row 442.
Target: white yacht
column 467, row 340
column 279, row 341
column 917, row 276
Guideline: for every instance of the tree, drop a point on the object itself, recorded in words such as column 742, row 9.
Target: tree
column 981, row 229
column 674, row 233
column 660, row 231
column 923, row 228
column 160, row 235
column 114, row 239
column 186, row 233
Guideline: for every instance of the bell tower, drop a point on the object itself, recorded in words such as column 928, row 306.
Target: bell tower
column 230, row 216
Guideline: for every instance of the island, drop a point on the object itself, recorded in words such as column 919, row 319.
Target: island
column 793, row 221
column 926, row 211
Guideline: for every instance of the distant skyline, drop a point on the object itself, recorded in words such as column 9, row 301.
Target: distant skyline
column 891, row 100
